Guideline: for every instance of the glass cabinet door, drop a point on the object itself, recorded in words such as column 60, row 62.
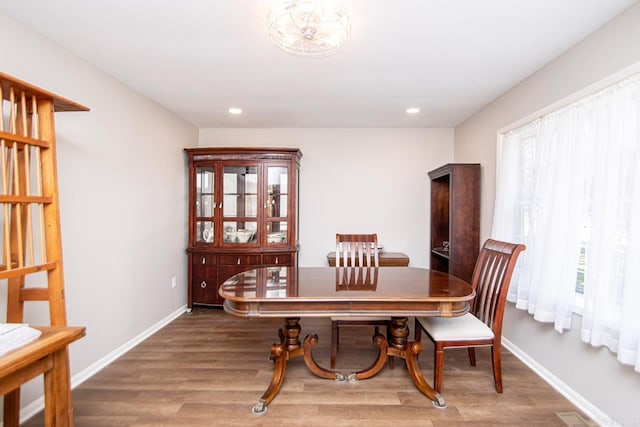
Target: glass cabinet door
column 205, row 204
column 240, row 204
column 277, row 202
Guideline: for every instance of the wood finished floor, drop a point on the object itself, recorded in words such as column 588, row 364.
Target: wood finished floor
column 209, row 368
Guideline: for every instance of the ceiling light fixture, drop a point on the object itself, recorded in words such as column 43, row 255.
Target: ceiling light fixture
column 413, row 110
column 234, row 110
column 309, row 27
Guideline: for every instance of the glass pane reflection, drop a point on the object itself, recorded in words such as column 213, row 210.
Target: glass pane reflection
column 276, row 282
column 277, row 177
column 277, row 232
column 239, row 232
column 204, row 231
column 276, row 205
column 204, row 191
column 240, row 191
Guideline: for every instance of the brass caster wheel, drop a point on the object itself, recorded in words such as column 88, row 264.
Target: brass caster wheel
column 259, row 409
column 340, row 378
column 439, row 402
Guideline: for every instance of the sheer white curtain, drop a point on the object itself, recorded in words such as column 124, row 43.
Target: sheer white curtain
column 571, row 181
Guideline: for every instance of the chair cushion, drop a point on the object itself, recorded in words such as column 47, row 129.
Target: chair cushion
column 461, row 328
column 354, row 318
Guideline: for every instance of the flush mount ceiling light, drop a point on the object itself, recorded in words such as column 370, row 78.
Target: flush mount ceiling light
column 413, row 110
column 235, row 110
column 309, row 27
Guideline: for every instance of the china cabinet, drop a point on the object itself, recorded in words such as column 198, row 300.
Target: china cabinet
column 455, row 218
column 243, row 205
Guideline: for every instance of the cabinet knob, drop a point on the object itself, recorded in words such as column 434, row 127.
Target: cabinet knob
column 276, row 260
column 203, row 284
column 204, row 260
column 238, row 261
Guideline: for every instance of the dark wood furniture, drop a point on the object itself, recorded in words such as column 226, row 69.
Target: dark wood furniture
column 455, row 218
column 293, row 293
column 356, row 250
column 483, row 325
column 32, row 245
column 386, row 259
column 243, row 205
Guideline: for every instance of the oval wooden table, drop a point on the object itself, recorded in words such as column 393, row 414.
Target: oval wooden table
column 293, row 293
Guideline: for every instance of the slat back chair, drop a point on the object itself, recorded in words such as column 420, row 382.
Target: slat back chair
column 352, row 250
column 357, row 250
column 482, row 326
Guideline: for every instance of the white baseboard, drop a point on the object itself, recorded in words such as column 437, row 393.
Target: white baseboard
column 596, row 415
column 38, row 405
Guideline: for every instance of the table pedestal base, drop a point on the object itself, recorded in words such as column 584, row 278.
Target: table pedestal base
column 289, row 348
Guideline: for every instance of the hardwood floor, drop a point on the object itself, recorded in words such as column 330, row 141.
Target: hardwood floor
column 209, row 368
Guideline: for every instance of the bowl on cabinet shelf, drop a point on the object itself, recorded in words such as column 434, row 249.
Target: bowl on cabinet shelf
column 277, row 237
column 242, row 236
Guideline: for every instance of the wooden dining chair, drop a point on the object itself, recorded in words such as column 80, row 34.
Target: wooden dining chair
column 482, row 326
column 355, row 250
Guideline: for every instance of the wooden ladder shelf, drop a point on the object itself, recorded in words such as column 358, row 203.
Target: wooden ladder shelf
column 31, row 247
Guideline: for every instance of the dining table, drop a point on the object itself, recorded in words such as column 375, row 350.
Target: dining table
column 293, row 293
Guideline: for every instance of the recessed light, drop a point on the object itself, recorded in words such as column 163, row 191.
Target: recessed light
column 234, row 110
column 413, row 110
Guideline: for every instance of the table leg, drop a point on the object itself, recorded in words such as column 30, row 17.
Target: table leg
column 281, row 352
column 409, row 352
column 399, row 332
column 289, row 348
column 58, row 409
column 411, row 357
column 383, row 351
column 309, row 342
column 12, row 408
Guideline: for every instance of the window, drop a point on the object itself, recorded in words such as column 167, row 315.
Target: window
column 568, row 187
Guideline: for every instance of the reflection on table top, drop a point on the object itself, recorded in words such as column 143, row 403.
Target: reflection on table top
column 386, row 259
column 326, row 291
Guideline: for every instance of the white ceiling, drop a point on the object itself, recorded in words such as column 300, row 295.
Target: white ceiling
column 199, row 57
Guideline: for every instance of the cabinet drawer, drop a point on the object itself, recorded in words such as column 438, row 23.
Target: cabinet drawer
column 277, row 259
column 203, row 259
column 231, row 259
column 203, row 272
column 204, row 285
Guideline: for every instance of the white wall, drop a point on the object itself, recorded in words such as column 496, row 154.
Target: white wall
column 357, row 180
column 592, row 373
column 122, row 199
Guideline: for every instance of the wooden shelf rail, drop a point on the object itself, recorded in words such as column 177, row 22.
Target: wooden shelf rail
column 30, row 243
